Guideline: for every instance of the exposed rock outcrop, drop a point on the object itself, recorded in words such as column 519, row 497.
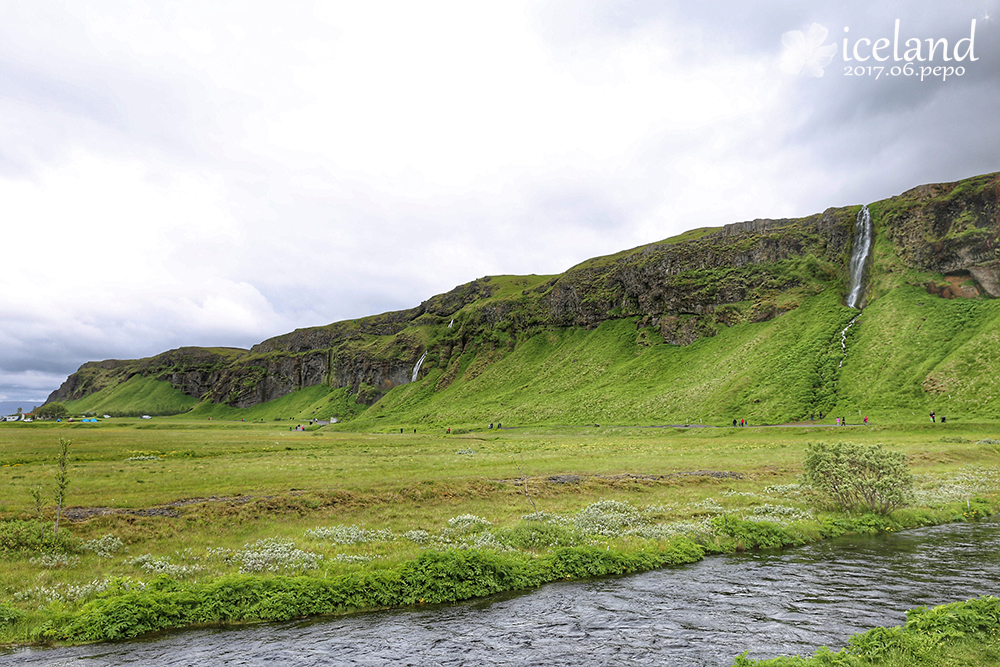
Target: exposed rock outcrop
column 192, row 370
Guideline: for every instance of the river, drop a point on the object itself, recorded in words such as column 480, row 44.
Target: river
column 770, row 603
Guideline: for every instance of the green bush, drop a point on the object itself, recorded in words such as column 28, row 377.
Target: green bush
column 538, row 535
column 925, row 639
column 434, row 577
column 754, row 534
column 956, row 619
column 9, row 615
column 33, row 537
column 52, row 411
column 859, row 477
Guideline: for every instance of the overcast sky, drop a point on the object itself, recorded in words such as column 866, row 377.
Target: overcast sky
column 216, row 173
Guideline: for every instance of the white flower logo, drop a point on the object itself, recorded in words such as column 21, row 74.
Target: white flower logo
column 806, row 54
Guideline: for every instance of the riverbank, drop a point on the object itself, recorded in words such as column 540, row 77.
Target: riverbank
column 126, row 609
column 412, row 519
column 961, row 633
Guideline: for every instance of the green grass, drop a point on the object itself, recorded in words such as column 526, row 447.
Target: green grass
column 136, row 396
column 318, row 402
column 909, row 353
column 228, row 484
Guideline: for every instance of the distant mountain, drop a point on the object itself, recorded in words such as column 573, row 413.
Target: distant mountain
column 747, row 320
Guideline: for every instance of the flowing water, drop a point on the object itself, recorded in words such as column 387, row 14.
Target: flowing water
column 416, row 368
column 843, row 339
column 863, row 233
column 774, row 603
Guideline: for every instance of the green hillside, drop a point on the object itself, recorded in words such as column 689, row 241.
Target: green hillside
column 135, row 397
column 739, row 322
column 903, row 360
column 908, row 354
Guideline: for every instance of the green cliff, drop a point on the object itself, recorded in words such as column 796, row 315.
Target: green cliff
column 742, row 321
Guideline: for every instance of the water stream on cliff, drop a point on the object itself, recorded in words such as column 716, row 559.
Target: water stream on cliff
column 863, row 233
column 770, row 603
column 416, row 368
column 843, row 339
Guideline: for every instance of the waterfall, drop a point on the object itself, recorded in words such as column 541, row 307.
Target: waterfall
column 863, row 233
column 416, row 369
column 451, row 323
column 843, row 339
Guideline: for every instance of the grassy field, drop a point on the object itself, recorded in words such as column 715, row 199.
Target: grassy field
column 198, row 500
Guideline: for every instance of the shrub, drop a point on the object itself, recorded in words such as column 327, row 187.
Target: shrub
column 537, row 535
column 55, row 561
column 754, row 534
column 52, row 411
column 105, row 547
column 153, row 565
column 417, row 536
column 859, row 477
column 273, row 555
column 468, row 523
column 31, row 536
column 610, row 518
column 350, row 535
column 9, row 615
column 956, row 619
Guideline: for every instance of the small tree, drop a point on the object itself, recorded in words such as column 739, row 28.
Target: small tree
column 62, row 478
column 859, row 477
column 52, row 411
column 36, row 495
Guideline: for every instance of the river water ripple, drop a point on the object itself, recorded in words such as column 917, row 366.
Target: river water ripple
column 774, row 603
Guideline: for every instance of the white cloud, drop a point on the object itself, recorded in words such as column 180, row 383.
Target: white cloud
column 216, row 173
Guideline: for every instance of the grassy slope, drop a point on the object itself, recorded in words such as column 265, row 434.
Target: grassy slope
column 768, row 372
column 311, row 402
column 136, row 396
column 913, row 353
column 910, row 353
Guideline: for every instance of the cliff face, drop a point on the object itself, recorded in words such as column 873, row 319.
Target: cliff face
column 739, row 263
column 192, row 370
column 685, row 288
column 951, row 229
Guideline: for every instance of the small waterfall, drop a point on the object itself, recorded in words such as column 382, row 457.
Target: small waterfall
column 863, row 233
column 451, row 323
column 843, row 339
column 416, row 369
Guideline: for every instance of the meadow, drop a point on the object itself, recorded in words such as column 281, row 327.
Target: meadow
column 177, row 505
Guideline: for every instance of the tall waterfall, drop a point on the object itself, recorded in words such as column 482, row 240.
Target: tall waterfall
column 416, row 369
column 863, row 234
